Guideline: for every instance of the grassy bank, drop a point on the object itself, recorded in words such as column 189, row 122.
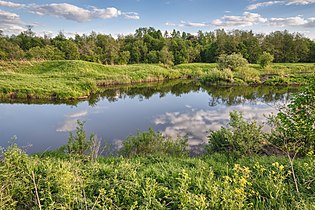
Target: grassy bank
column 72, row 79
column 78, row 79
column 55, row 181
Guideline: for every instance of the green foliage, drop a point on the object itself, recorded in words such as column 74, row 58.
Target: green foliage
column 152, row 143
column 247, row 74
column 146, row 43
column 46, row 53
column 232, row 61
column 124, row 58
column 165, row 57
column 216, row 75
column 77, row 143
column 152, row 182
column 265, row 59
column 294, row 125
column 243, row 138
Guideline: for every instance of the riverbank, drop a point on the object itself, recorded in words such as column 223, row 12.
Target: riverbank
column 63, row 80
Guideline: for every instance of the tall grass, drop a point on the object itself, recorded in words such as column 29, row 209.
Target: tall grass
column 152, row 182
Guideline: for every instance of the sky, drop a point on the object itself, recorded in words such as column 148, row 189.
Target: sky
column 125, row 16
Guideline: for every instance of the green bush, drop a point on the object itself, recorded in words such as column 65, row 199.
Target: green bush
column 153, row 143
column 78, row 144
column 242, row 138
column 247, row 74
column 216, row 75
column 232, row 61
column 294, row 125
column 265, row 59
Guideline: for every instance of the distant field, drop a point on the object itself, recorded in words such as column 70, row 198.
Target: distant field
column 78, row 79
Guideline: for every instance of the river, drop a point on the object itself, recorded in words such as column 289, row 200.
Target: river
column 174, row 108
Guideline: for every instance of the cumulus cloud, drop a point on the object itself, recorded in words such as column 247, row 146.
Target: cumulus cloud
column 289, row 21
column 10, row 22
column 67, row 11
column 247, row 19
column 293, row 21
column 263, row 4
column 310, row 23
column 11, row 4
column 72, row 12
column 196, row 123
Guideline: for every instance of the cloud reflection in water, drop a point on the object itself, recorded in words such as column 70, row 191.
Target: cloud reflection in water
column 197, row 123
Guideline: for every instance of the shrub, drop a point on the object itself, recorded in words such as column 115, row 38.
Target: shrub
column 78, row 144
column 265, row 59
column 153, row 143
column 242, row 138
column 248, row 74
column 216, row 75
column 232, row 61
column 294, row 125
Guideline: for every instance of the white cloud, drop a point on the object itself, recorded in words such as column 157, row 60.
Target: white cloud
column 131, row 15
column 70, row 122
column 67, row 11
column 263, row 4
column 192, row 24
column 11, row 4
column 310, row 23
column 170, row 24
column 300, row 2
column 10, row 22
column 72, row 12
column 247, row 19
column 196, row 123
column 292, row 21
column 284, row 2
column 289, row 21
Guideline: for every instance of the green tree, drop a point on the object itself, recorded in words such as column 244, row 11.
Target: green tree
column 232, row 61
column 124, row 57
column 46, row 53
column 166, row 57
column 153, row 57
column 265, row 59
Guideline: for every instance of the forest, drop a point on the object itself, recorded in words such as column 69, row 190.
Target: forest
column 149, row 45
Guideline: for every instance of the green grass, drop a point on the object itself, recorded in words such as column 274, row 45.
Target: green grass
column 153, row 182
column 79, row 79
column 72, row 79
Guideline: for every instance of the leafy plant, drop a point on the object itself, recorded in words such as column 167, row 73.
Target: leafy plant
column 294, row 125
column 242, row 138
column 233, row 61
column 150, row 143
column 265, row 59
column 78, row 144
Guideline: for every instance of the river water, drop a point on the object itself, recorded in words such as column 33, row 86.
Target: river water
column 174, row 108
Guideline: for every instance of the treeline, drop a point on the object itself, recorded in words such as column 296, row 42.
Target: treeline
column 148, row 45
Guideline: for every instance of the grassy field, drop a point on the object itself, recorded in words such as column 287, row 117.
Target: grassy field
column 78, row 79
column 54, row 181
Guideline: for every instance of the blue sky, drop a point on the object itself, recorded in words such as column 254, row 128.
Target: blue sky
column 124, row 16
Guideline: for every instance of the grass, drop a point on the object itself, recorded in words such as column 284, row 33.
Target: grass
column 62, row 80
column 72, row 79
column 56, row 181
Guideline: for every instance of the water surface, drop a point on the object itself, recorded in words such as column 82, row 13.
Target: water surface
column 174, row 108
